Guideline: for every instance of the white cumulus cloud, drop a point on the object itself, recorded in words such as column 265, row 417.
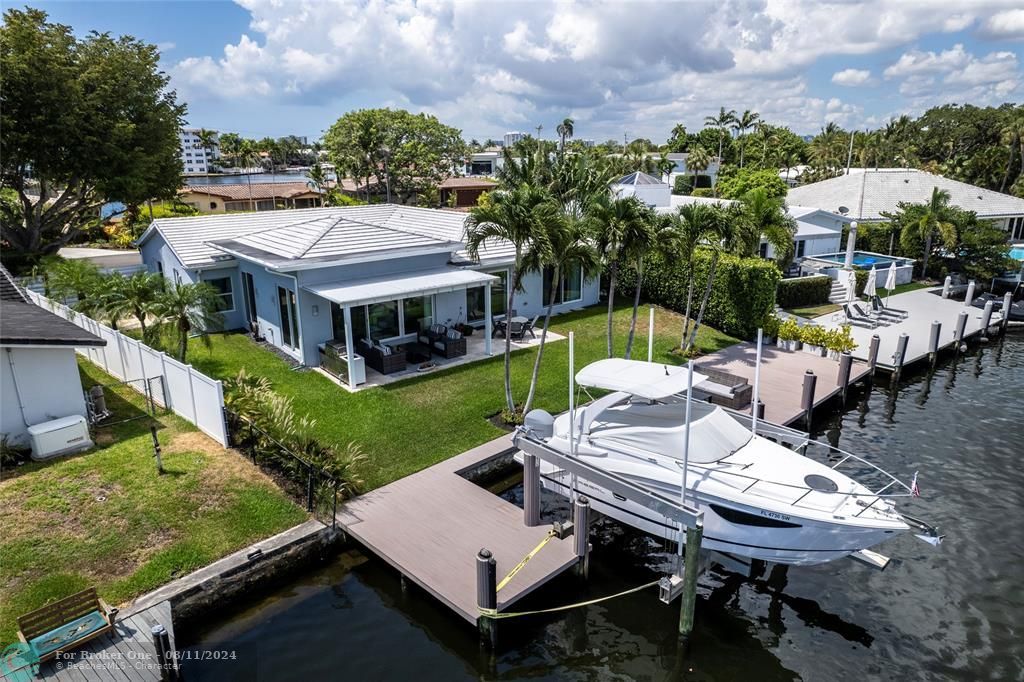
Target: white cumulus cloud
column 852, row 78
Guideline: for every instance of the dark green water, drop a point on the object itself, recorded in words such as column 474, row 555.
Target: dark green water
column 950, row 613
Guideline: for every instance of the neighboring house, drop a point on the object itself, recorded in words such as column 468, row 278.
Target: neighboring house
column 381, row 272
column 647, row 188
column 464, row 192
column 194, row 158
column 486, row 163
column 259, row 196
column 868, row 193
column 39, row 378
column 791, row 176
column 705, row 178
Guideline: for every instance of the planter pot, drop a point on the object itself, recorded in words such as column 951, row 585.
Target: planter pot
column 788, row 345
column 465, row 330
column 833, row 355
column 814, row 350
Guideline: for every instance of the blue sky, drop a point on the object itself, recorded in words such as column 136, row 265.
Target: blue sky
column 260, row 67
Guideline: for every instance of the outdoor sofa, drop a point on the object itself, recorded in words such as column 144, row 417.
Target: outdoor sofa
column 383, row 358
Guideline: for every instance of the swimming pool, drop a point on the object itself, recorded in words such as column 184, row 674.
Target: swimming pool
column 862, row 259
column 1017, row 253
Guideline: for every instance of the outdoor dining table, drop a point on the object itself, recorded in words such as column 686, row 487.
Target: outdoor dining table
column 500, row 325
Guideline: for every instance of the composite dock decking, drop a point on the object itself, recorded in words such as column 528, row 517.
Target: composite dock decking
column 924, row 306
column 430, row 526
column 127, row 654
column 781, row 383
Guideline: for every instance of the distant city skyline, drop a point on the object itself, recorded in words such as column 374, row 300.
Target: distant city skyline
column 262, row 68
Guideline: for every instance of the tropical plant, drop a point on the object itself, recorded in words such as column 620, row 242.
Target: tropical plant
column 789, row 330
column 185, row 309
column 935, row 221
column 695, row 225
column 77, row 279
column 135, row 296
column 564, row 130
column 660, row 241
column 208, row 142
column 840, row 340
column 318, row 180
column 697, row 160
column 521, row 216
column 742, row 124
column 757, row 216
column 723, row 121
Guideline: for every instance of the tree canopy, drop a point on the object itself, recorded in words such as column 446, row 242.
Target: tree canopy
column 89, row 120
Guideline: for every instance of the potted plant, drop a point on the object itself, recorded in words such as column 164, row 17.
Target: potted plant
column 814, row 339
column 788, row 334
column 840, row 341
column 770, row 327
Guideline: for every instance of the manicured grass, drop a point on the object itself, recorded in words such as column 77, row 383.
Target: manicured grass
column 410, row 425
column 105, row 518
column 909, row 286
column 811, row 311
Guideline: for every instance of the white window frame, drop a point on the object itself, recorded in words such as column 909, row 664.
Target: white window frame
column 561, row 293
column 220, row 294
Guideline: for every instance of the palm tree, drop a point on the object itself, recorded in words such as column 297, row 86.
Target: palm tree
column 722, row 122
column 694, row 225
column 665, row 165
column 660, row 241
column 1012, row 135
column 935, row 221
column 759, row 215
column 521, row 216
column 187, row 308
column 317, row 180
column 134, row 296
column 78, row 279
column 618, row 224
column 568, row 245
column 741, row 125
column 564, row 130
column 249, row 155
column 697, row 160
column 208, row 141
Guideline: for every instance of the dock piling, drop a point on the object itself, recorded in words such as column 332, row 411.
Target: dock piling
column 807, row 398
column 946, row 284
column 986, row 318
column 1007, row 302
column 691, row 561
column 581, row 534
column 873, row 353
column 845, row 365
column 165, row 656
column 486, row 594
column 531, row 490
column 961, row 327
column 900, row 355
column 933, row 340
column 970, row 293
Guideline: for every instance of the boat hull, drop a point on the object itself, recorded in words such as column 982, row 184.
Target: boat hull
column 749, row 532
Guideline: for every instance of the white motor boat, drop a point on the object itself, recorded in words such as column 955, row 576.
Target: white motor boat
column 761, row 499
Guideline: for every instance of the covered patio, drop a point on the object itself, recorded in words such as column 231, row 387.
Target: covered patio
column 401, row 324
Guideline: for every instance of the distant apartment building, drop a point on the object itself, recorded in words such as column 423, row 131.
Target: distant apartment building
column 196, row 159
column 511, row 138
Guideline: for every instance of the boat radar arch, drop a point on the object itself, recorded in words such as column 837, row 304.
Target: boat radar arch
column 650, row 380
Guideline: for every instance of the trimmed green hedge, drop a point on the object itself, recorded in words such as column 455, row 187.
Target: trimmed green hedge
column 803, row 291
column 742, row 299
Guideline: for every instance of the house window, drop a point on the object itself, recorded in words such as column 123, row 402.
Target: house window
column 236, row 206
column 383, row 320
column 213, row 204
column 798, row 247
column 160, row 267
column 568, row 290
column 762, row 250
column 224, row 293
column 416, row 309
column 480, row 168
column 289, row 317
column 499, row 298
column 177, row 278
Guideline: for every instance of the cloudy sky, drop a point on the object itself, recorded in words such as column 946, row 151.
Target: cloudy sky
column 278, row 67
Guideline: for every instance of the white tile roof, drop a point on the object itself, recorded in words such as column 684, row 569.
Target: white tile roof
column 869, row 193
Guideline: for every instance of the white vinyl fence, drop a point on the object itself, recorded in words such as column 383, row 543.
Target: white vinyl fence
column 191, row 394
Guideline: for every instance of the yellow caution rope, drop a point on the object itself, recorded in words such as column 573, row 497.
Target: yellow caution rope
column 493, row 613
column 518, row 567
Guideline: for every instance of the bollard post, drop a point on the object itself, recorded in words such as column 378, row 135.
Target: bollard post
column 581, row 534
column 486, row 595
column 946, row 284
column 986, row 317
column 970, row 293
column 807, row 399
column 961, row 328
column 845, row 367
column 900, row 355
column 164, row 654
column 933, row 340
column 156, row 450
column 873, row 354
column 1007, row 303
column 760, row 410
column 694, row 536
column 531, row 490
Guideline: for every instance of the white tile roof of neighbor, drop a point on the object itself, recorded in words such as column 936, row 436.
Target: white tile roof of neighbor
column 389, row 287
column 312, row 234
column 868, row 193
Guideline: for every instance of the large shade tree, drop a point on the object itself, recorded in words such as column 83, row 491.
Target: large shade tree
column 90, row 120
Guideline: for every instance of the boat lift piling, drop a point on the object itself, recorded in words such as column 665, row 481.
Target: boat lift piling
column 531, row 490
column 845, row 367
column 876, row 341
column 970, row 294
column 961, row 326
column 986, row 319
column 900, row 356
column 807, row 397
column 487, row 595
column 933, row 341
column 581, row 534
column 1007, row 302
column 947, row 284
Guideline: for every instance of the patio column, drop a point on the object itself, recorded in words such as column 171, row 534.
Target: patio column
column 851, row 244
column 350, row 347
column 488, row 323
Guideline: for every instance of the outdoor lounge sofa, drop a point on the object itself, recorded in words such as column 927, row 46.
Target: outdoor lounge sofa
column 727, row 390
column 383, row 358
column 451, row 345
column 66, row 624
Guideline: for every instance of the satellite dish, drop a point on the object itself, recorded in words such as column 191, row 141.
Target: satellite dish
column 843, row 210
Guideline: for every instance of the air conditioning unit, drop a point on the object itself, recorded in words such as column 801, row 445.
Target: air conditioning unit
column 59, row 437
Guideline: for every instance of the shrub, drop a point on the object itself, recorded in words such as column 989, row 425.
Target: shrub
column 741, row 300
column 840, row 340
column 803, row 291
column 683, row 184
column 703, row 192
column 813, row 335
column 770, row 326
column 733, row 182
column 789, row 330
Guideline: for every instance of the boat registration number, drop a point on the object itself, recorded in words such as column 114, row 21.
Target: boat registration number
column 774, row 515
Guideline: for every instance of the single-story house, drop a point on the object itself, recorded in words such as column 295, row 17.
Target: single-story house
column 374, row 277
column 39, row 379
column 868, row 193
column 259, row 196
column 648, row 189
column 487, row 162
column 464, row 192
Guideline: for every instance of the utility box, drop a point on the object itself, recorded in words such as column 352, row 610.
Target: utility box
column 59, row 437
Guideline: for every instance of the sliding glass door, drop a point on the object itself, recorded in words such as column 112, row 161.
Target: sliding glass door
column 289, row 317
column 499, row 298
column 569, row 288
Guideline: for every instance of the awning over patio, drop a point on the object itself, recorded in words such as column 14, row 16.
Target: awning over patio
column 394, row 286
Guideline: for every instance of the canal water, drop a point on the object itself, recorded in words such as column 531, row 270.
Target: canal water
column 955, row 612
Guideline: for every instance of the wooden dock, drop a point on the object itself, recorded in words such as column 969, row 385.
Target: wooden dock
column 430, row 526
column 128, row 654
column 782, row 372
column 924, row 306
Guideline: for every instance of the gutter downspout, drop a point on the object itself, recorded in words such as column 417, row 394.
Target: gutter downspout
column 298, row 315
column 17, row 389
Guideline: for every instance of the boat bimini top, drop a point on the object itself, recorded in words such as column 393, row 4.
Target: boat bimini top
column 636, row 377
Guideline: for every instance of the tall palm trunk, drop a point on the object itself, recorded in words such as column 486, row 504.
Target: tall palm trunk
column 613, row 272
column 927, row 252
column 703, row 302
column 1009, row 165
column 141, row 317
column 183, row 329
column 636, row 306
column 689, row 300
column 540, row 348
column 510, row 403
column 743, row 148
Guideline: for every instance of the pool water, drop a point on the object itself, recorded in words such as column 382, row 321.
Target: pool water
column 861, row 259
column 1017, row 253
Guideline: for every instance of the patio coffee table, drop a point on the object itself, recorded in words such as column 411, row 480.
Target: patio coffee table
column 418, row 352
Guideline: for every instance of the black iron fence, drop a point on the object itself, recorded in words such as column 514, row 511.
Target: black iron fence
column 306, row 482
column 124, row 401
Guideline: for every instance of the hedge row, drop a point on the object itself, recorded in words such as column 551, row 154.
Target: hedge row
column 803, row 291
column 742, row 298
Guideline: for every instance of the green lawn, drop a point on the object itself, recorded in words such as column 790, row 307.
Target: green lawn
column 106, row 519
column 410, row 425
column 811, row 311
column 909, row 286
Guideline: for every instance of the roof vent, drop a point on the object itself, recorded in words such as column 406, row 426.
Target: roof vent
column 906, row 181
column 980, row 198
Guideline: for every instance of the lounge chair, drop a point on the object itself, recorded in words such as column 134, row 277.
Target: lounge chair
column 66, row 624
column 881, row 318
column 858, row 320
column 878, row 306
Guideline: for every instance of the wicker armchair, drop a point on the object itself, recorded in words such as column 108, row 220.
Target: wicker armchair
column 395, row 361
column 451, row 345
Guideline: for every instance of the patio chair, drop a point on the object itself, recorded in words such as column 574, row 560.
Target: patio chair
column 431, row 334
column 451, row 345
column 66, row 624
column 858, row 320
column 878, row 306
column 520, row 330
column 383, row 358
column 881, row 318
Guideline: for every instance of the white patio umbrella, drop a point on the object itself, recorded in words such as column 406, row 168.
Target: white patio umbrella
column 851, row 286
column 890, row 281
column 869, row 286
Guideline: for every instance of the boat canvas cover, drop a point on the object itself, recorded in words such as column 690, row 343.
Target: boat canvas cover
column 661, row 429
column 643, row 379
